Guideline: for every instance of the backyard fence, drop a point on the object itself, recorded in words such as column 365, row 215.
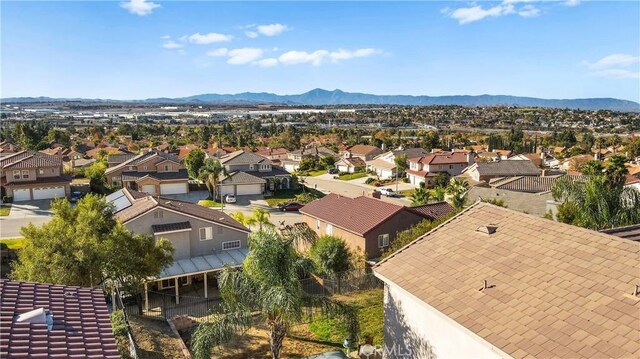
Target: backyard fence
column 341, row 283
column 133, row 352
column 163, row 306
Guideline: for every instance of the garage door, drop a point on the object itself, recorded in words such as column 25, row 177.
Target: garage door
column 246, row 189
column 48, row 192
column 21, row 195
column 173, row 188
column 225, row 190
column 149, row 188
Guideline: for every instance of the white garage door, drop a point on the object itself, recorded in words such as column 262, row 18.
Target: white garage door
column 48, row 193
column 249, row 189
column 225, row 190
column 21, row 195
column 173, row 188
column 149, row 188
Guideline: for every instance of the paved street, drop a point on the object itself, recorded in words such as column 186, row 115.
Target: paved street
column 354, row 188
column 23, row 213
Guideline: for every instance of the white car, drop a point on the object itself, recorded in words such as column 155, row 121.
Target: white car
column 230, row 198
column 387, row 192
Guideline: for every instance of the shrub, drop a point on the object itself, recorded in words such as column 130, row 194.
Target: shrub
column 330, row 255
column 370, row 180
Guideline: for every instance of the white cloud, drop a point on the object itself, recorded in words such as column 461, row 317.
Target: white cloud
column 272, row 29
column 244, row 55
column 139, row 7
column 205, row 39
column 221, row 52
column 614, row 60
column 300, row 57
column 617, row 74
column 341, row 54
column 529, row 11
column 523, row 8
column 172, row 45
column 269, row 62
column 165, row 37
column 251, row 34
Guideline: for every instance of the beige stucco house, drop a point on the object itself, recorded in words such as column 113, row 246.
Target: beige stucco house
column 32, row 175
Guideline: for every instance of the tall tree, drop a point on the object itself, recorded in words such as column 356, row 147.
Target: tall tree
column 194, row 162
column 267, row 285
column 210, row 173
column 458, row 189
column 330, row 255
column 85, row 245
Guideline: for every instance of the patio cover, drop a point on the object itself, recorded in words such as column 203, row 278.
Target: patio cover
column 204, row 264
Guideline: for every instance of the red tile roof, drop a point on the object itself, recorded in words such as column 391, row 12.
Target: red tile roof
column 81, row 325
column 358, row 215
column 444, row 158
column 434, row 211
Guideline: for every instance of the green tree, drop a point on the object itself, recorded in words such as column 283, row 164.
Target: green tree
column 327, row 162
column 210, row 173
column 615, row 170
column 261, row 217
column 401, row 163
column 420, row 196
column 330, row 255
column 268, row 285
column 97, row 180
column 458, row 189
column 598, row 203
column 85, row 245
column 592, row 168
column 194, row 162
column 439, row 193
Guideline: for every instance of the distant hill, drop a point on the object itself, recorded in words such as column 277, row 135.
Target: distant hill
column 320, row 97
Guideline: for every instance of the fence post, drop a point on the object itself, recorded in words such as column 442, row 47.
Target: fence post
column 164, row 307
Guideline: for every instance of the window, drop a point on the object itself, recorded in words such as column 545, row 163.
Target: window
column 317, row 224
column 383, row 240
column 167, row 283
column 53, row 170
column 329, row 229
column 230, row 245
column 145, row 168
column 167, row 168
column 16, row 174
column 450, row 166
column 40, row 171
column 206, row 233
column 25, row 173
column 265, row 167
column 157, row 214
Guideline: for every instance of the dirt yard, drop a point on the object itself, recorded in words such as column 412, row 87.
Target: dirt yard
column 154, row 339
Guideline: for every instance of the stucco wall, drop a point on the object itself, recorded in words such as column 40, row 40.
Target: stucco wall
column 196, row 246
column 531, row 203
column 412, row 329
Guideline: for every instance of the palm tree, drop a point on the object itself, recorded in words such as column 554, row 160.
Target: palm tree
column 267, row 285
column 438, row 193
column 261, row 217
column 420, row 196
column 598, row 203
column 210, row 174
column 458, row 189
column 244, row 220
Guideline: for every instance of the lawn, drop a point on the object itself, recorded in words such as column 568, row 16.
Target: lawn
column 209, row 203
column 316, row 173
column 289, row 195
column 14, row 243
column 352, row 176
column 370, row 307
column 5, row 209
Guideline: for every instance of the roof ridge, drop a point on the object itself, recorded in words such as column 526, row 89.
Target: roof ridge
column 118, row 166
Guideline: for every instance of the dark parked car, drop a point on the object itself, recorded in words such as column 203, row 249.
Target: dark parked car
column 75, row 196
column 333, row 171
column 291, row 206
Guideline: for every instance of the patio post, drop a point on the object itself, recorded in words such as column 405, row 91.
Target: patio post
column 146, row 297
column 206, row 287
column 177, row 290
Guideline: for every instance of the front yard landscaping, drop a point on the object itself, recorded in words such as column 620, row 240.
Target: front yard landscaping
column 209, row 203
column 14, row 243
column 352, row 176
column 5, row 209
column 289, row 195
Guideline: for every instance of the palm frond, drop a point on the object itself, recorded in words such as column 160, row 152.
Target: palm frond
column 227, row 322
column 335, row 309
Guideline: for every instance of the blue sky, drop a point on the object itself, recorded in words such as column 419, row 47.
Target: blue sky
column 140, row 49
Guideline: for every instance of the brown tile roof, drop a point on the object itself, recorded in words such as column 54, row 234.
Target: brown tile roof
column 143, row 204
column 628, row 232
column 38, row 181
column 530, row 184
column 353, row 161
column 553, row 286
column 81, row 325
column 444, row 158
column 30, row 159
column 507, row 168
column 358, row 215
column 364, row 149
column 434, row 211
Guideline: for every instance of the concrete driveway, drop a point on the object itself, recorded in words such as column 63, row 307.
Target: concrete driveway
column 326, row 184
column 23, row 213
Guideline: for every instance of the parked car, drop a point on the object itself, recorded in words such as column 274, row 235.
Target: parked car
column 230, row 198
column 333, row 171
column 75, row 196
column 387, row 192
column 290, row 206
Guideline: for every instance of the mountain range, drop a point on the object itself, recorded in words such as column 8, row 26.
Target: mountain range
column 321, row 97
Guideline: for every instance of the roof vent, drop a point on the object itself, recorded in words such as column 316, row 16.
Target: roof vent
column 70, row 294
column 487, row 229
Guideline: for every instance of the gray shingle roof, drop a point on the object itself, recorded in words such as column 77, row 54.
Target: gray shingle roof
column 530, row 184
column 240, row 177
column 508, row 168
column 628, row 232
column 241, row 157
column 134, row 176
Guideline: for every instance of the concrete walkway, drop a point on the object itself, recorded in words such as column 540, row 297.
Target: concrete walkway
column 23, row 213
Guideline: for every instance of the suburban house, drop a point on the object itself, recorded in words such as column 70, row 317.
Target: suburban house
column 70, row 157
column 252, row 174
column 384, row 165
column 495, row 283
column 575, row 163
column 424, row 169
column 368, row 225
column 350, row 164
column 41, row 320
column 484, row 171
column 292, row 162
column 364, row 152
column 152, row 172
column 276, row 155
column 204, row 239
column 104, row 151
column 33, row 175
